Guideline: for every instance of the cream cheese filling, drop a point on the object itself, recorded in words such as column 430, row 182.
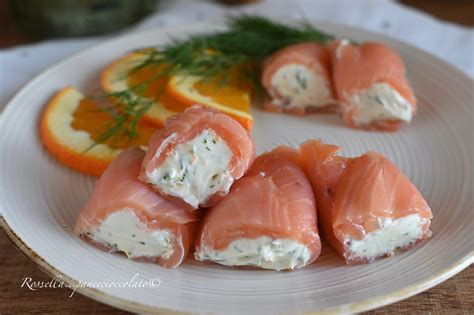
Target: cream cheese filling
column 196, row 169
column 343, row 43
column 264, row 252
column 123, row 231
column 298, row 86
column 380, row 102
column 391, row 235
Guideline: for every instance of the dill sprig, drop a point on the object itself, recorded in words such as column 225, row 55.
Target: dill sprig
column 246, row 43
column 127, row 110
column 263, row 37
column 249, row 39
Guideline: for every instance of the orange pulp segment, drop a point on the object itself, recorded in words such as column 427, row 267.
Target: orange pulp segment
column 232, row 97
column 116, row 77
column 89, row 118
column 70, row 126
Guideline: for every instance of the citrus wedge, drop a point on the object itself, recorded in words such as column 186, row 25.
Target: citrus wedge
column 232, row 99
column 70, row 126
column 115, row 78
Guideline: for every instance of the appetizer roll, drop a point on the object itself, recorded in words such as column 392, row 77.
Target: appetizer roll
column 268, row 220
column 297, row 79
column 125, row 215
column 197, row 156
column 368, row 208
column 369, row 81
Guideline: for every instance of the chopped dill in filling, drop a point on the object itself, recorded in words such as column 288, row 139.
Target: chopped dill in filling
column 196, row 169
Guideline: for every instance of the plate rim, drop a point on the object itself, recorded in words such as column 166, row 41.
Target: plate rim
column 133, row 306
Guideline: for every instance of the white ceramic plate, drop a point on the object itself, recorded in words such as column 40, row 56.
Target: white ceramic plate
column 40, row 199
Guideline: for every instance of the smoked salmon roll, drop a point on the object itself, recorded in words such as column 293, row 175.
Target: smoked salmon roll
column 297, row 79
column 125, row 215
column 196, row 157
column 370, row 84
column 268, row 220
column 367, row 208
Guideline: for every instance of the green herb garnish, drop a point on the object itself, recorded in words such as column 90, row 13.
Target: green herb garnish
column 212, row 57
column 301, row 80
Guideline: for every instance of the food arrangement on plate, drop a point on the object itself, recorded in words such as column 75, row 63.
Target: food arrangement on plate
column 171, row 140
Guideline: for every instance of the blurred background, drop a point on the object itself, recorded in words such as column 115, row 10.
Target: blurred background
column 27, row 21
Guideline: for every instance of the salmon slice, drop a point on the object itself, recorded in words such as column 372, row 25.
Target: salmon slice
column 196, row 157
column 370, row 85
column 297, row 79
column 268, row 220
column 368, row 209
column 125, row 215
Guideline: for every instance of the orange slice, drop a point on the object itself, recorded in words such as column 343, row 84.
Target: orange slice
column 233, row 99
column 115, row 78
column 71, row 124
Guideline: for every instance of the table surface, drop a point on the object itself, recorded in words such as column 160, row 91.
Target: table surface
column 454, row 296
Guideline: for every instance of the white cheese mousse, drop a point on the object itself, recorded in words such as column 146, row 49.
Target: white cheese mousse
column 391, row 236
column 195, row 170
column 343, row 43
column 264, row 252
column 123, row 231
column 380, row 102
column 296, row 86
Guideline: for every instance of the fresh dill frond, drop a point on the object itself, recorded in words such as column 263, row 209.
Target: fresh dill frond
column 127, row 110
column 249, row 39
column 264, row 36
column 210, row 57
